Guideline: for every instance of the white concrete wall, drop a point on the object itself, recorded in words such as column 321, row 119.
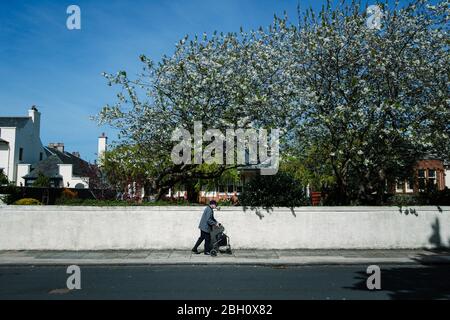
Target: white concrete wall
column 95, row 228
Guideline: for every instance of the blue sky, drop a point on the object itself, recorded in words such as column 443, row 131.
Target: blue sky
column 44, row 63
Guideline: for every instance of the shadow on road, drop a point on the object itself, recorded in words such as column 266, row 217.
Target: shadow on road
column 405, row 283
column 430, row 279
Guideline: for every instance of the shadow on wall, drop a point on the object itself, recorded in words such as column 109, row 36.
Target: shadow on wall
column 412, row 211
column 260, row 211
column 430, row 280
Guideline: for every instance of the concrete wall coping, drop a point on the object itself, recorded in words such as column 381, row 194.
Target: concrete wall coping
column 306, row 209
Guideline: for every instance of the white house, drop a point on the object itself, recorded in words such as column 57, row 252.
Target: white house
column 64, row 169
column 20, row 143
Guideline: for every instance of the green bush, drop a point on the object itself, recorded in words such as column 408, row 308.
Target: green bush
column 225, row 203
column 117, row 203
column 3, row 179
column 437, row 198
column 280, row 190
column 403, row 200
column 11, row 194
column 41, row 181
column 27, row 202
column 431, row 198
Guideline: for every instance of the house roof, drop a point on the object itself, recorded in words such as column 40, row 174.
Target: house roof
column 14, row 122
column 49, row 166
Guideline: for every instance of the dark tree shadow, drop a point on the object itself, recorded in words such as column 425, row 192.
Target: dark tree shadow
column 259, row 211
column 411, row 283
column 408, row 211
column 429, row 279
column 435, row 238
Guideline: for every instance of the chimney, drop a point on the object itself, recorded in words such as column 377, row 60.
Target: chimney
column 58, row 146
column 102, row 147
column 76, row 154
column 35, row 116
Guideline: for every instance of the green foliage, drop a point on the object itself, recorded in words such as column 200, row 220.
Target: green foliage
column 225, row 203
column 437, row 198
column 42, row 181
column 117, row 203
column 3, row 179
column 280, row 190
column 11, row 194
column 404, row 200
column 430, row 198
column 28, row 202
column 356, row 105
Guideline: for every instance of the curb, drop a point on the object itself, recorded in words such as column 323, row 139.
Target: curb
column 305, row 261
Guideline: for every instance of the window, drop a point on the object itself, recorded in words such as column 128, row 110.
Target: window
column 422, row 179
column 230, row 188
column 41, row 156
column 20, row 154
column 221, row 188
column 432, row 174
column 410, row 185
column 432, row 178
column 400, row 185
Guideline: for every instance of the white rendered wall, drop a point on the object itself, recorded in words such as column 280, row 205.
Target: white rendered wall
column 9, row 134
column 95, row 228
column 66, row 171
column 22, row 170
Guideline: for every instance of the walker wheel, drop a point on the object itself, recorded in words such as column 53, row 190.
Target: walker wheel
column 213, row 252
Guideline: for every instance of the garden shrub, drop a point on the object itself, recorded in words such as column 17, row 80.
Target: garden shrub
column 402, row 200
column 11, row 194
column 27, row 202
column 225, row 203
column 280, row 190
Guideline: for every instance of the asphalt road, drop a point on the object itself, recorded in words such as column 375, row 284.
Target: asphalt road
column 225, row 282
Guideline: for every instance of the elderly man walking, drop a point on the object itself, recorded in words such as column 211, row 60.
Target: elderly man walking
column 206, row 223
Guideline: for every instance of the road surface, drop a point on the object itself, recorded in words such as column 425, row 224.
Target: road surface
column 225, row 282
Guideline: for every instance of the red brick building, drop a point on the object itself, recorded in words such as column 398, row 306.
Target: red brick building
column 428, row 174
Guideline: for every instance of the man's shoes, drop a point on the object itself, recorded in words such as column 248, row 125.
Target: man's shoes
column 195, row 251
column 207, row 254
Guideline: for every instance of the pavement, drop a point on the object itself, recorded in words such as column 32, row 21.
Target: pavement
column 238, row 257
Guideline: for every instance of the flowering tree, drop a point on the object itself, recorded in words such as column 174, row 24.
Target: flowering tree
column 372, row 100
column 226, row 82
column 363, row 102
